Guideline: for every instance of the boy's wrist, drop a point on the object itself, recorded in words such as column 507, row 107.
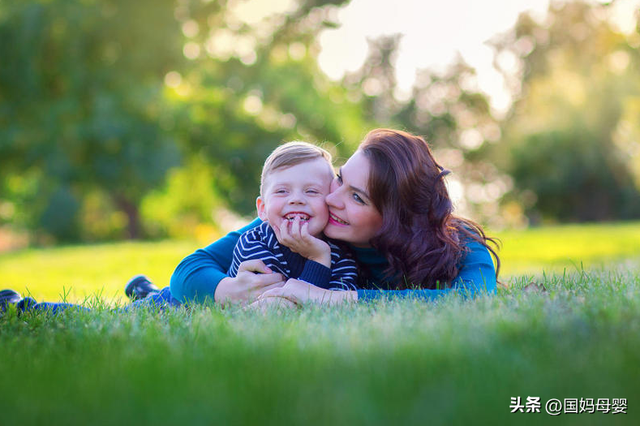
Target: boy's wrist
column 321, row 254
column 322, row 258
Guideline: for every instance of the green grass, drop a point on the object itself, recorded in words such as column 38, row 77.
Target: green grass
column 554, row 248
column 451, row 362
column 454, row 361
column 78, row 272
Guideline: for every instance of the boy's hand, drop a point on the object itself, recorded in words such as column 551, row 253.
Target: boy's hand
column 298, row 239
column 253, row 279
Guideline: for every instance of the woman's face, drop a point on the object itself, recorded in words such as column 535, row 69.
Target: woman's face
column 352, row 216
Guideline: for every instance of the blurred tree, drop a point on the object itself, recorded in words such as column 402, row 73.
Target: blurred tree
column 251, row 86
column 448, row 109
column 575, row 80
column 376, row 81
column 80, row 100
column 101, row 98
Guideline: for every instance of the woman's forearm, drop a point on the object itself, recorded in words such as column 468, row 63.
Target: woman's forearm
column 477, row 275
column 197, row 277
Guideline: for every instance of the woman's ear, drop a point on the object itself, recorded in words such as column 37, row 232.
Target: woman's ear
column 262, row 208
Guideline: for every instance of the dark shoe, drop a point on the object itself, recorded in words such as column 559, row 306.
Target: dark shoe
column 140, row 287
column 26, row 304
column 8, row 297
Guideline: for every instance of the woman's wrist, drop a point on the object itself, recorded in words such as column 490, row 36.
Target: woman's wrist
column 222, row 294
column 336, row 297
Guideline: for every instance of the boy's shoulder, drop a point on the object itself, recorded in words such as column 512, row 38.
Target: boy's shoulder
column 262, row 233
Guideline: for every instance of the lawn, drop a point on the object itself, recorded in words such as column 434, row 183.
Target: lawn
column 453, row 361
column 77, row 272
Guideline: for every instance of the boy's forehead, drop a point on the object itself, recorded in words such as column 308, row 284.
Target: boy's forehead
column 301, row 172
column 319, row 164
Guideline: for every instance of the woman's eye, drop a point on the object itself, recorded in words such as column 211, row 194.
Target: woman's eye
column 358, row 199
column 339, row 177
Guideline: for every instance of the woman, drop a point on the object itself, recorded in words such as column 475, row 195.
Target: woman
column 389, row 203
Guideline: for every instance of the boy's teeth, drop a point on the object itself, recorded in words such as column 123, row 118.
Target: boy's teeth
column 291, row 217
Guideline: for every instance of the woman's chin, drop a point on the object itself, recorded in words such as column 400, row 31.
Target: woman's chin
column 336, row 232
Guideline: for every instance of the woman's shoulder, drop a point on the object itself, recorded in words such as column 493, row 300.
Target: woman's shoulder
column 474, row 244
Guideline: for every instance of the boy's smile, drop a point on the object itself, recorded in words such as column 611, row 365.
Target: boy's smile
column 300, row 215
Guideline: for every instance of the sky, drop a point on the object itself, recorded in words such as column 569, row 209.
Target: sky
column 433, row 33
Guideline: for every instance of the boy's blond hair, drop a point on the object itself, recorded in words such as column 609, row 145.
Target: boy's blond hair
column 292, row 154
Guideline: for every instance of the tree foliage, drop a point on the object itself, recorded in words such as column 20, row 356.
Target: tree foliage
column 449, row 110
column 105, row 97
column 568, row 135
column 122, row 118
column 81, row 100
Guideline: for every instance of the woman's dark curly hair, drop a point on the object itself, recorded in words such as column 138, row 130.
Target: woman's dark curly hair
column 420, row 237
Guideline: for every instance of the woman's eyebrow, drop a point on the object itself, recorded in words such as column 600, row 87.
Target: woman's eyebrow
column 355, row 188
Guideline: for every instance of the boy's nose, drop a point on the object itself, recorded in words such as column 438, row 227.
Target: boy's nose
column 296, row 199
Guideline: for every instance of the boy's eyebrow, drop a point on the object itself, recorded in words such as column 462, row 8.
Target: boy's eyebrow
column 355, row 188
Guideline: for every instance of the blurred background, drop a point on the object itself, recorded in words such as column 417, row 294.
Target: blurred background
column 151, row 119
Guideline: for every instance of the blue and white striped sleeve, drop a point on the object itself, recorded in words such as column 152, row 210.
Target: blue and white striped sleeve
column 251, row 246
column 344, row 272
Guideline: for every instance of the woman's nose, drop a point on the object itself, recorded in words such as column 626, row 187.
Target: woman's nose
column 332, row 199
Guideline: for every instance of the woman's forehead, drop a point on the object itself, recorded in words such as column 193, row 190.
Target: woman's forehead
column 356, row 169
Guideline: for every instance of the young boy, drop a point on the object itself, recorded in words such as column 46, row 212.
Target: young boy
column 295, row 180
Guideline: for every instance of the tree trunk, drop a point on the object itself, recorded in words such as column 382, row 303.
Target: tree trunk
column 133, row 216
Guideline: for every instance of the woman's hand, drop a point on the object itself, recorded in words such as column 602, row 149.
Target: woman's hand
column 253, row 279
column 271, row 303
column 296, row 236
column 300, row 292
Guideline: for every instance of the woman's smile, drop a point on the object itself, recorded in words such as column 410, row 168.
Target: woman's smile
column 336, row 220
column 352, row 216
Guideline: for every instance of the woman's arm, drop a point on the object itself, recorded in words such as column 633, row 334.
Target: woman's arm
column 477, row 274
column 197, row 276
column 301, row 292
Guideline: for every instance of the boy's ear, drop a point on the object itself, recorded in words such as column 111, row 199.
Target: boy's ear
column 262, row 208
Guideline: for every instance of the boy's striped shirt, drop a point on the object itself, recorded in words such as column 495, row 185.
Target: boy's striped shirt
column 261, row 243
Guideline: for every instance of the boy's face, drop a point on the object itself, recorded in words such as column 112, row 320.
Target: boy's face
column 297, row 191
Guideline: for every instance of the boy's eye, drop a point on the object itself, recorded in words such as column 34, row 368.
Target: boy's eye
column 339, row 177
column 280, row 191
column 312, row 191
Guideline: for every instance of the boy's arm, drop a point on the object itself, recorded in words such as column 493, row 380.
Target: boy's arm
column 197, row 276
column 344, row 272
column 252, row 246
column 315, row 273
column 257, row 245
column 296, row 237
